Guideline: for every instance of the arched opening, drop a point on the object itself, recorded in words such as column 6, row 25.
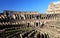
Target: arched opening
column 36, row 24
column 28, row 24
column 45, row 36
column 42, row 36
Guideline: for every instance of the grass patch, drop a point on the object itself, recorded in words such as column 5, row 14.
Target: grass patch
column 21, row 29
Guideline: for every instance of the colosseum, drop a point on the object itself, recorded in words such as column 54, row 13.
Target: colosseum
column 48, row 23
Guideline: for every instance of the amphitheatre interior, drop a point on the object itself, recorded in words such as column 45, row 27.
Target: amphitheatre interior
column 22, row 24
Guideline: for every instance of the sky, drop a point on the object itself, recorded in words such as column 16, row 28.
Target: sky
column 25, row 5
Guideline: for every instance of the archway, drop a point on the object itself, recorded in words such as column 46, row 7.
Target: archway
column 36, row 24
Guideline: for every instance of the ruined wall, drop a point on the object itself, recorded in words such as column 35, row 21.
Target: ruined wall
column 50, row 22
column 30, row 17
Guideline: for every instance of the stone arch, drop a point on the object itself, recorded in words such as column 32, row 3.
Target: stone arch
column 28, row 23
column 37, row 23
column 42, row 35
column 22, row 17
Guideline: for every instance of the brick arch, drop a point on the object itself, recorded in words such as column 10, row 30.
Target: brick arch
column 44, row 35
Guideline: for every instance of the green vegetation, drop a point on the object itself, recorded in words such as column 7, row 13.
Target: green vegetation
column 21, row 29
